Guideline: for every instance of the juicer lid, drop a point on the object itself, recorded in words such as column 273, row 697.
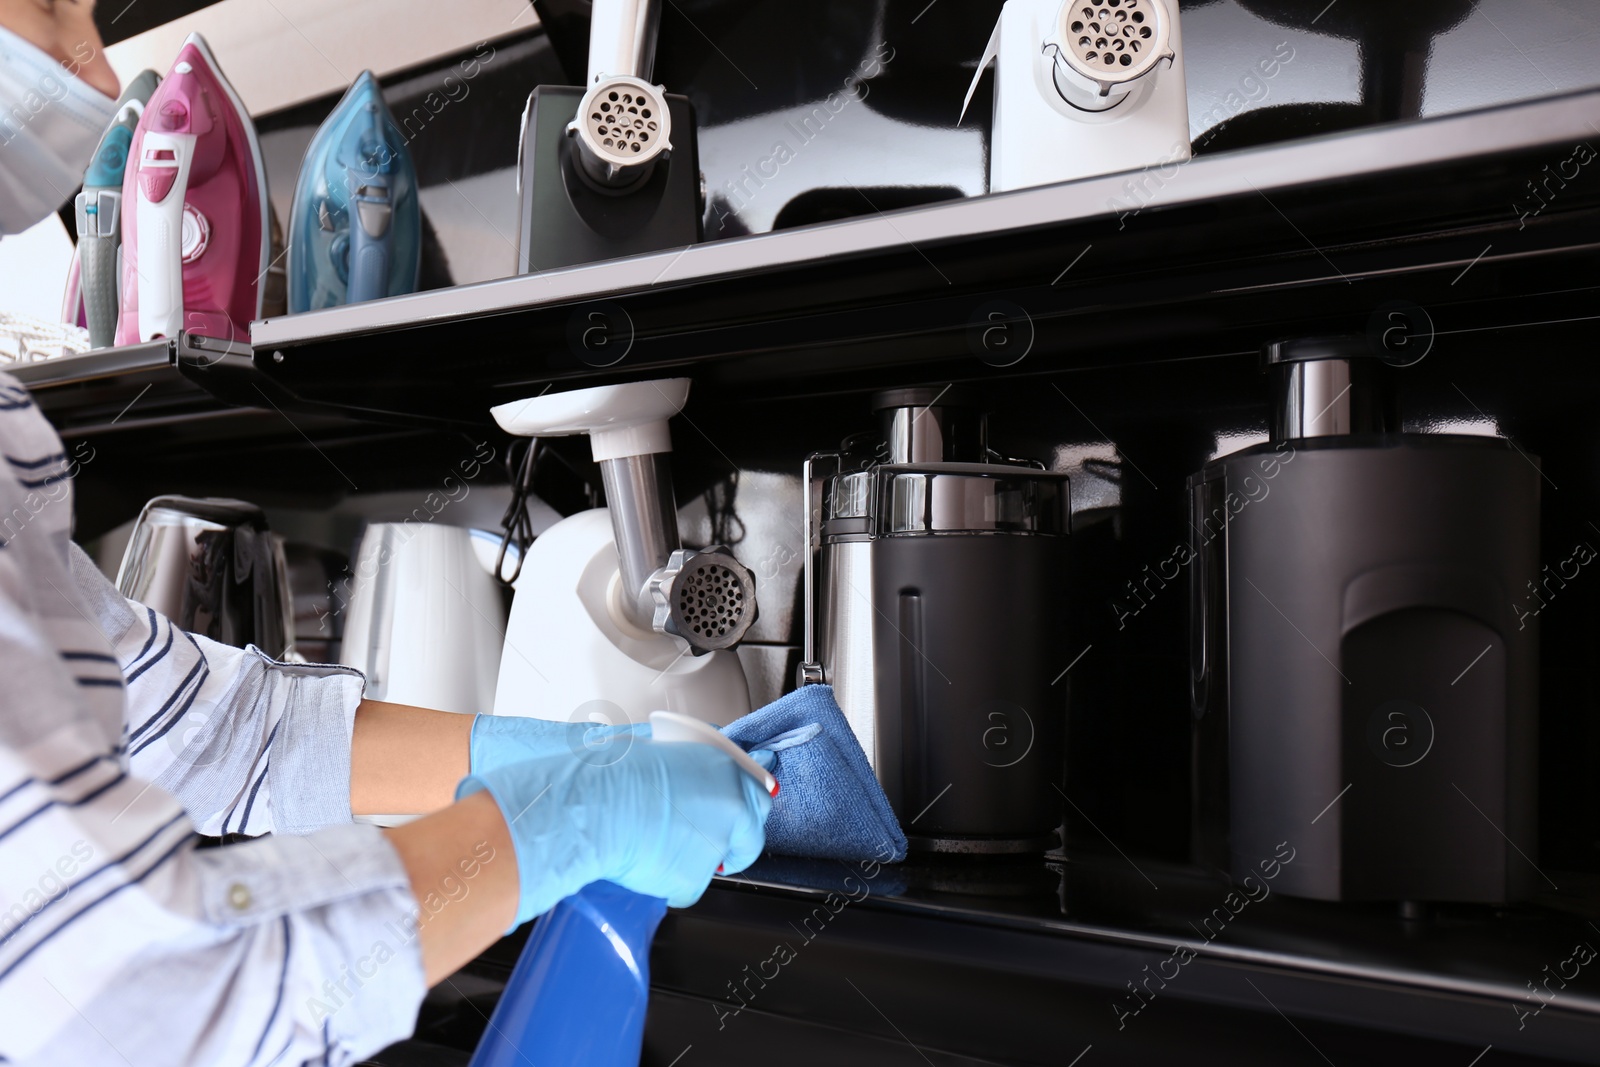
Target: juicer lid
column 1305, row 349
column 984, row 498
column 924, row 396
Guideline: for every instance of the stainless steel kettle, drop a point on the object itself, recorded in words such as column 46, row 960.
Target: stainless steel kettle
column 213, row 567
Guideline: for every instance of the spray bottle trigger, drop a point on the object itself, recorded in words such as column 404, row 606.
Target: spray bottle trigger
column 670, row 727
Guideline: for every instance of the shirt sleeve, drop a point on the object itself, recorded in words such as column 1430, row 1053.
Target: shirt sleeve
column 248, row 744
column 120, row 942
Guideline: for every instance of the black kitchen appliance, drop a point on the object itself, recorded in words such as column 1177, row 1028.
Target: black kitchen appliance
column 1365, row 693
column 946, row 574
column 921, row 424
column 607, row 169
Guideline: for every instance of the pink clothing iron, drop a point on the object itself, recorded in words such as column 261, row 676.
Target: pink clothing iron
column 194, row 225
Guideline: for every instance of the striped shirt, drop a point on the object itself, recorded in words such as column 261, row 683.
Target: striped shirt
column 121, row 738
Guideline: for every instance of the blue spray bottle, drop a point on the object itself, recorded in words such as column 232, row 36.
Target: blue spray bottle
column 579, row 992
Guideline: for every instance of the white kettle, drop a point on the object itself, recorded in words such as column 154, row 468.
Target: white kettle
column 426, row 618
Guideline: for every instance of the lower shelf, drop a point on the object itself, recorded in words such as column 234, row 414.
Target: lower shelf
column 1036, row 962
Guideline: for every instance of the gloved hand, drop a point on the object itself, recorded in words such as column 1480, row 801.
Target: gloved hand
column 657, row 821
column 498, row 740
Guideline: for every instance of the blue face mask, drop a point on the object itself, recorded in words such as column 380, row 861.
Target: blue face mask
column 50, row 122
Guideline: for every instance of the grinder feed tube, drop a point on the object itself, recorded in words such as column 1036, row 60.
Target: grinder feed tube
column 622, row 126
column 640, row 498
column 704, row 596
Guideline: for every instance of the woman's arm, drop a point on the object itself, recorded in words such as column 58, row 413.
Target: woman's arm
column 251, row 746
column 463, row 871
column 406, row 760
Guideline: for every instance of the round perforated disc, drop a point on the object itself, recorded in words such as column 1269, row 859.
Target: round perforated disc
column 624, row 125
column 1112, row 41
column 706, row 597
column 710, row 600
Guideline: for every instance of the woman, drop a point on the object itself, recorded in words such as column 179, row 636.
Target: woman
column 122, row 737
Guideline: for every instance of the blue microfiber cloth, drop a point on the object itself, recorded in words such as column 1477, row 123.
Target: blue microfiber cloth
column 829, row 803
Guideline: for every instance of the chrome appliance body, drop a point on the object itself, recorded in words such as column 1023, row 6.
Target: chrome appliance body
column 839, row 627
column 213, row 567
column 935, row 593
column 920, row 424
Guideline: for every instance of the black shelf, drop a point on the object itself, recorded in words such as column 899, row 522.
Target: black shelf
column 191, row 414
column 1022, row 962
column 158, row 384
column 1323, row 233
column 126, row 388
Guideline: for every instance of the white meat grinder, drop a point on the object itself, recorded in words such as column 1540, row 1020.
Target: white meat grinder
column 612, row 619
column 1085, row 87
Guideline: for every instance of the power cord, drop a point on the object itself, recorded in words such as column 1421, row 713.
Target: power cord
column 515, row 522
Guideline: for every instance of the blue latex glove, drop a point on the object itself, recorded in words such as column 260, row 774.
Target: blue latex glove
column 498, row 740
column 659, row 821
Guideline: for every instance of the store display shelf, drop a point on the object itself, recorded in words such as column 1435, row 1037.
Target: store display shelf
column 95, row 365
column 115, row 389
column 193, row 385
column 1100, row 950
column 1467, row 218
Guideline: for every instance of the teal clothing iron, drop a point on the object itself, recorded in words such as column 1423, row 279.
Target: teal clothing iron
column 355, row 232
column 98, row 207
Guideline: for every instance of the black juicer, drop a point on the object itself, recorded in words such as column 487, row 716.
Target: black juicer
column 608, row 169
column 944, row 572
column 1365, row 696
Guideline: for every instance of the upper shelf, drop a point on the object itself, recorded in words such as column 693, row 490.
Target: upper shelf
column 158, row 385
column 1203, row 258
column 125, row 388
column 1485, row 220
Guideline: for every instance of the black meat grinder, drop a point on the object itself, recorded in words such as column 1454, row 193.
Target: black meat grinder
column 610, row 168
